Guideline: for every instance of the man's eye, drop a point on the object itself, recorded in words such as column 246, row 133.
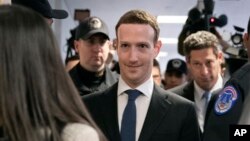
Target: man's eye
column 143, row 46
column 196, row 64
column 209, row 62
column 124, row 45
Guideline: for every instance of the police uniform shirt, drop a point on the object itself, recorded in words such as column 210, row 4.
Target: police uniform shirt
column 228, row 106
column 245, row 116
column 86, row 82
column 2, row 136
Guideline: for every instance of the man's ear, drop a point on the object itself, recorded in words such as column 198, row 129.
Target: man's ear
column 76, row 45
column 157, row 47
column 220, row 57
column 245, row 39
column 246, row 36
column 187, row 58
column 115, row 43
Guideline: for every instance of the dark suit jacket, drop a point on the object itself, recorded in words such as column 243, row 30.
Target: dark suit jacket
column 169, row 117
column 187, row 91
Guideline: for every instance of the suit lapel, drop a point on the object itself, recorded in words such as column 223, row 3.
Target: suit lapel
column 110, row 116
column 154, row 117
column 189, row 91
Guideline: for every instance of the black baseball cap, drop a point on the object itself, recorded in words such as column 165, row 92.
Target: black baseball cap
column 176, row 65
column 43, row 7
column 91, row 26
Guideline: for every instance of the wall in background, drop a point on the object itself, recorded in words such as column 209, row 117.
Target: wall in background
column 110, row 11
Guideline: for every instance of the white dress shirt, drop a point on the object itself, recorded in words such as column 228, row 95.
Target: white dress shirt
column 142, row 102
column 200, row 102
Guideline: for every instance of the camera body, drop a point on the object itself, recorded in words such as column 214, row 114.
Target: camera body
column 200, row 20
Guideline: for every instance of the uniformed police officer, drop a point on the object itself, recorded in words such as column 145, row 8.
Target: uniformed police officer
column 92, row 44
column 228, row 105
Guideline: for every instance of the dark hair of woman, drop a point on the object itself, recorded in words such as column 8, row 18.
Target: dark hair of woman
column 37, row 97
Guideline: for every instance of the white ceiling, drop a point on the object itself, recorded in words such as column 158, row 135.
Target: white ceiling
column 237, row 12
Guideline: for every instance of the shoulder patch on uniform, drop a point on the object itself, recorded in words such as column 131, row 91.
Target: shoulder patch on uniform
column 226, row 100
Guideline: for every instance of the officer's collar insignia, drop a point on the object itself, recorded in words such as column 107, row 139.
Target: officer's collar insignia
column 226, row 100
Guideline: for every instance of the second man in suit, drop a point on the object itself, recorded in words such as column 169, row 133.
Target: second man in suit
column 204, row 59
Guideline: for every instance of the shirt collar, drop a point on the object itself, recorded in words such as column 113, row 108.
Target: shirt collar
column 200, row 91
column 218, row 84
column 146, row 88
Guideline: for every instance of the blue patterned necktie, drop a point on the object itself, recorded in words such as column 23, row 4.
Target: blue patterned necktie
column 206, row 97
column 129, row 117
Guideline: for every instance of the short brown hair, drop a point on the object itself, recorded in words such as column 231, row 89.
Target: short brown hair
column 200, row 40
column 139, row 17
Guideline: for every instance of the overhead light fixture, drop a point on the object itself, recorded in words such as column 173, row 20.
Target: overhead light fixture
column 171, row 19
column 168, row 40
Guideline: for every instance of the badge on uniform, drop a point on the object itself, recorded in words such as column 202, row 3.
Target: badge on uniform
column 226, row 100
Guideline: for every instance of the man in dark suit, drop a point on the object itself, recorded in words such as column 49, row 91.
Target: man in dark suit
column 155, row 115
column 204, row 60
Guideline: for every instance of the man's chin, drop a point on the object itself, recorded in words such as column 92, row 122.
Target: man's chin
column 206, row 86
